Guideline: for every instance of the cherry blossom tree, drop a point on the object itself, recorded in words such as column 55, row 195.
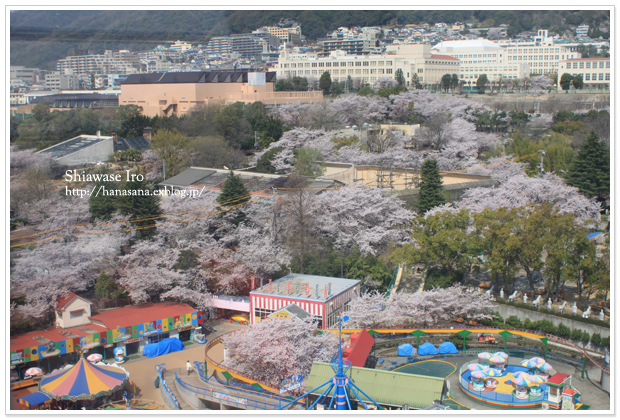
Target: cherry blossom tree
column 21, row 160
column 292, row 114
column 275, row 349
column 364, row 217
column 357, row 110
column 222, row 270
column 384, row 83
column 520, row 191
column 424, row 309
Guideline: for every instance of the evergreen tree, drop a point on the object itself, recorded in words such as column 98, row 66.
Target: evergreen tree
column 415, row 81
column 590, row 169
column 455, row 81
column 565, row 81
column 102, row 206
column 431, row 190
column 446, row 82
column 325, row 83
column 481, row 83
column 233, row 192
column 399, row 77
column 577, row 81
column 137, row 199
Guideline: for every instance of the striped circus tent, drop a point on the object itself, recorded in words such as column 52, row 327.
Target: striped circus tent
column 83, row 381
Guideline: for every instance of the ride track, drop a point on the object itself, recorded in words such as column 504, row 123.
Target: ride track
column 237, row 375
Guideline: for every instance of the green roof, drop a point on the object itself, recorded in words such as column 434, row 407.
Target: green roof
column 385, row 387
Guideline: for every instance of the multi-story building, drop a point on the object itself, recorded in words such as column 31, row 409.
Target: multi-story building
column 285, row 35
column 25, row 75
column 181, row 46
column 479, row 57
column 595, row 72
column 582, row 30
column 122, row 61
column 411, row 59
column 177, row 92
column 324, row 298
column 510, row 61
column 244, row 45
column 56, row 80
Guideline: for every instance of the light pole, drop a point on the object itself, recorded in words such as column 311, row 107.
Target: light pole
column 542, row 155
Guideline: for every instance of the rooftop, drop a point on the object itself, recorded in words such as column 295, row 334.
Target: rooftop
column 73, row 145
column 110, row 319
column 137, row 314
column 388, row 388
column 192, row 77
column 297, row 288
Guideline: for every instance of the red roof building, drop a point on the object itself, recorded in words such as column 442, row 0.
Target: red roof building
column 137, row 314
column 359, row 349
column 557, row 379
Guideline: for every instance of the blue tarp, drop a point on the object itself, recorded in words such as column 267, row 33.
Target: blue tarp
column 447, row 348
column 165, row 346
column 427, row 348
column 406, row 350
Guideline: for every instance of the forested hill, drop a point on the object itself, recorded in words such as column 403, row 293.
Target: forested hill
column 39, row 38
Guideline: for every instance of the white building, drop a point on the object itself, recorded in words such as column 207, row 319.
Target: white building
column 595, row 72
column 582, row 30
column 508, row 60
column 411, row 59
column 479, row 57
column 181, row 46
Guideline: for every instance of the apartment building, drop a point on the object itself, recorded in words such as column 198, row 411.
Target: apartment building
column 181, row 46
column 122, row 61
column 23, row 74
column 177, row 93
column 413, row 58
column 595, row 72
column 243, row 45
column 56, row 81
column 582, row 30
column 285, row 35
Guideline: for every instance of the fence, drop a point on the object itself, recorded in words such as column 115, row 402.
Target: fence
column 210, row 394
column 166, row 394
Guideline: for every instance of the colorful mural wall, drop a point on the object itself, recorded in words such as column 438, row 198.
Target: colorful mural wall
column 108, row 337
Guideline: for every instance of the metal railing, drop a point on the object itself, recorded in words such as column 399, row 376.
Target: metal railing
column 169, row 398
column 209, row 394
column 236, row 385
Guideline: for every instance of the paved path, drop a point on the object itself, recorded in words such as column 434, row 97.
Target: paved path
column 142, row 370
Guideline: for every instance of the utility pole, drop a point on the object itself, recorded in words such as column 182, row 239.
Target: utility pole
column 164, row 159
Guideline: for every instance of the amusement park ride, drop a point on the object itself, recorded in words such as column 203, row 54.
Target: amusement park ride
column 340, row 383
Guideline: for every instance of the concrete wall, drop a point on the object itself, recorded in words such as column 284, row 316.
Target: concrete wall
column 506, row 310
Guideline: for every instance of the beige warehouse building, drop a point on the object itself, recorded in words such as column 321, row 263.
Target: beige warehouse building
column 165, row 94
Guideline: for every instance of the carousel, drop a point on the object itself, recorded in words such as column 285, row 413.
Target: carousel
column 84, row 385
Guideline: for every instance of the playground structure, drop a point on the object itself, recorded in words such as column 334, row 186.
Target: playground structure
column 256, row 395
column 519, row 387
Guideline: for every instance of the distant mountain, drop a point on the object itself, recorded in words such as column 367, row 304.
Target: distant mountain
column 40, row 37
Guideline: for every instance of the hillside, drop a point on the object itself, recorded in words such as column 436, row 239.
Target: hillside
column 40, row 37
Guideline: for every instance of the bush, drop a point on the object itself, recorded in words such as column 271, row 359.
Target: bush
column 546, row 326
column 576, row 335
column 513, row 321
column 596, row 339
column 563, row 331
column 585, row 338
column 605, row 342
column 527, row 324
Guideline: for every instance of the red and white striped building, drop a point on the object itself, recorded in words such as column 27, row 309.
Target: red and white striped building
column 325, row 298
